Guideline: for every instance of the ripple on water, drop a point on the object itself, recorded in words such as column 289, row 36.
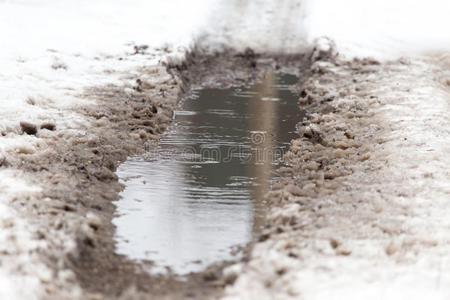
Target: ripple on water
column 201, row 192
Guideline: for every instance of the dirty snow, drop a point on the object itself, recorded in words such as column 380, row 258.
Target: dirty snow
column 388, row 219
column 52, row 50
column 414, row 108
column 16, row 243
column 415, row 157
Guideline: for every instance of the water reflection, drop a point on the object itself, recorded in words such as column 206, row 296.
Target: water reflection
column 200, row 192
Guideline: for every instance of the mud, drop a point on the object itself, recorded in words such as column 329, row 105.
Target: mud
column 98, row 268
column 336, row 138
column 334, row 194
column 336, row 198
column 128, row 127
column 78, row 170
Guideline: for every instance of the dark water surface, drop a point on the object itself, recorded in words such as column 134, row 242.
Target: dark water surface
column 200, row 193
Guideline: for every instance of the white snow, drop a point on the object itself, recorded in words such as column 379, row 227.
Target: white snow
column 263, row 25
column 382, row 28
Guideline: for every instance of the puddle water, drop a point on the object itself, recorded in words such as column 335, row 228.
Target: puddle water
column 191, row 201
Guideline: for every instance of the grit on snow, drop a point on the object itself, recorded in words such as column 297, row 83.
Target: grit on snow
column 53, row 50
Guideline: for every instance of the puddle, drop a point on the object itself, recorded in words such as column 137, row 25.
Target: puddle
column 192, row 201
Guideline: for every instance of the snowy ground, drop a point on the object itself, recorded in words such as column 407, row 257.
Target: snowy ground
column 383, row 29
column 364, row 213
column 53, row 50
column 378, row 231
